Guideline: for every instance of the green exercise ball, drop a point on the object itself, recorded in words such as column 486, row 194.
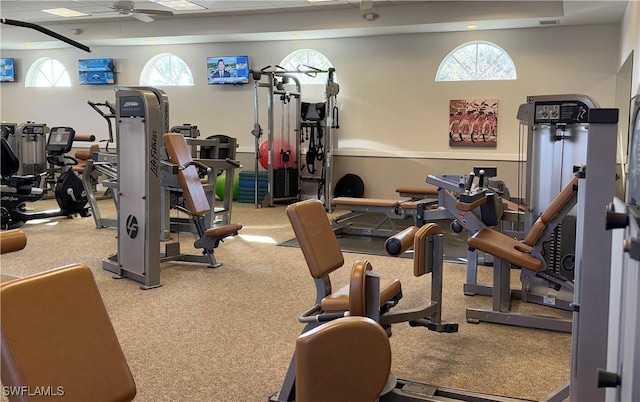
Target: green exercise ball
column 221, row 182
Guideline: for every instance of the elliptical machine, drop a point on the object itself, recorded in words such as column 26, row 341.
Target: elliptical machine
column 16, row 191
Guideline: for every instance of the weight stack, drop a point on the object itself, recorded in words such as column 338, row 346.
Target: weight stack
column 285, row 181
column 246, row 194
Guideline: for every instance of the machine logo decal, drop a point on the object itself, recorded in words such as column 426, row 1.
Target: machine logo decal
column 132, row 226
column 153, row 162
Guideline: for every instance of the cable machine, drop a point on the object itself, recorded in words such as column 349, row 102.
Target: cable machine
column 555, row 130
column 290, row 165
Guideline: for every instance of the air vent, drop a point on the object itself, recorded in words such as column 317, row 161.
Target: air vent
column 549, row 22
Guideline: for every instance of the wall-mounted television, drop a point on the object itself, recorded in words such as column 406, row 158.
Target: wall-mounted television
column 7, row 70
column 228, row 70
column 96, row 71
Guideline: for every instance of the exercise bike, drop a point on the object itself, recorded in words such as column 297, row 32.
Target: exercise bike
column 16, row 191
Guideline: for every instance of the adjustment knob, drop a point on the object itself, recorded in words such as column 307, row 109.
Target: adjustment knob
column 615, row 220
column 607, row 379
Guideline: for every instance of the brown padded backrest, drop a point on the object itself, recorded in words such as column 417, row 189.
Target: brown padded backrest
column 357, row 288
column 420, row 248
column 317, row 241
column 56, row 332
column 179, row 154
column 566, row 195
column 345, row 360
column 12, row 240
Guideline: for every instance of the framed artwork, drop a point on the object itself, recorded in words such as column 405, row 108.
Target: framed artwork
column 473, row 123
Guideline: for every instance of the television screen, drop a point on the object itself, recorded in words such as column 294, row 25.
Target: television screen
column 228, row 70
column 96, row 71
column 7, row 72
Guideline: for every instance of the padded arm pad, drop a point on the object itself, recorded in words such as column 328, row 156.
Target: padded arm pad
column 358, row 288
column 399, row 243
column 84, row 137
column 420, row 247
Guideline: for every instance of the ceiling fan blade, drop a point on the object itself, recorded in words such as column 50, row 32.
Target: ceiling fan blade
column 153, row 12
column 142, row 17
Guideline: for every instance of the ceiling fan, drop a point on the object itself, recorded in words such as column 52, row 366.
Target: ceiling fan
column 128, row 8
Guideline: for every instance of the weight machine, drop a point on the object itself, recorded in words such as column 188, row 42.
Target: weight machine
column 29, row 143
column 314, row 125
column 556, row 134
column 145, row 181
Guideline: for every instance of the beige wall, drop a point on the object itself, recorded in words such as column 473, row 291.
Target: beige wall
column 630, row 41
column 389, row 123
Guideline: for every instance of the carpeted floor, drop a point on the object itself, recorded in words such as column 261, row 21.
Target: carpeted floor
column 227, row 334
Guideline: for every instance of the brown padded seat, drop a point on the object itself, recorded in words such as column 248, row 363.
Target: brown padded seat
column 339, row 300
column 223, row 230
column 366, row 202
column 345, row 360
column 56, row 332
column 12, row 240
column 506, row 248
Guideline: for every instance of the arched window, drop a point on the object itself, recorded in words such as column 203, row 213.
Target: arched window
column 474, row 61
column 166, row 69
column 300, row 60
column 47, row 72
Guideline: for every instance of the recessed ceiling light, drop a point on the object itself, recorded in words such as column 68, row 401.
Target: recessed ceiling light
column 181, row 5
column 64, row 12
column 472, row 26
column 370, row 16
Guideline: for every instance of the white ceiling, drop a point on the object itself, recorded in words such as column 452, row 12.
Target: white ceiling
column 226, row 21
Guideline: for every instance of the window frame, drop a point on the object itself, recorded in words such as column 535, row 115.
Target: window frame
column 36, row 71
column 476, row 76
column 151, row 67
column 320, row 78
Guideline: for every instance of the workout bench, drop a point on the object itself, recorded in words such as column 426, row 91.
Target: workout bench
column 391, row 211
column 197, row 205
